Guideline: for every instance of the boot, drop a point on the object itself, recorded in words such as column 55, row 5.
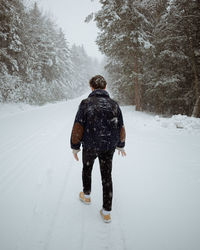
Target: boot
column 106, row 217
column 84, row 199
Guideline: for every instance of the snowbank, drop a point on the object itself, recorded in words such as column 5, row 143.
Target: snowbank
column 179, row 122
column 8, row 109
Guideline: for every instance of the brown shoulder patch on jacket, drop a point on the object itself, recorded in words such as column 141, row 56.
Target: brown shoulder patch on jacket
column 123, row 134
column 77, row 133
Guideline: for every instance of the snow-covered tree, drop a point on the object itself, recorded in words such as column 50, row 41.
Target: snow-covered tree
column 36, row 63
column 152, row 50
column 169, row 75
column 11, row 26
column 186, row 20
column 10, row 30
column 121, row 25
column 47, row 58
column 84, row 68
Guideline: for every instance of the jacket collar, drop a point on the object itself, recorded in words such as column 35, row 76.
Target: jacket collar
column 99, row 92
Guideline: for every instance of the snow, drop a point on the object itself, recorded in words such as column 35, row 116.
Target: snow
column 181, row 122
column 156, row 187
column 9, row 109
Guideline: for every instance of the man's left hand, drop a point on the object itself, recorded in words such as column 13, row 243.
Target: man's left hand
column 75, row 153
column 121, row 151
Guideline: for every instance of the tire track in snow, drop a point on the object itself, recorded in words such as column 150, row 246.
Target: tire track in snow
column 112, row 236
column 19, row 140
column 56, row 212
column 122, row 238
column 25, row 151
column 10, row 177
column 8, row 147
column 82, row 229
column 22, row 165
column 28, row 145
column 38, row 208
column 105, row 235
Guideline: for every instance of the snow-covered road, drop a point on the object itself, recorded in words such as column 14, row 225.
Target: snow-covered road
column 156, row 187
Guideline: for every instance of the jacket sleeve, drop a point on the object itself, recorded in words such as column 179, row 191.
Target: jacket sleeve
column 122, row 132
column 78, row 128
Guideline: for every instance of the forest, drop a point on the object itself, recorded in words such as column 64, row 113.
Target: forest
column 153, row 53
column 37, row 65
column 151, row 48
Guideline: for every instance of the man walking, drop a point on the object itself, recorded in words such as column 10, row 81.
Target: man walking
column 99, row 127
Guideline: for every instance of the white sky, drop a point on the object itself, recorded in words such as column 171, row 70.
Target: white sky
column 70, row 16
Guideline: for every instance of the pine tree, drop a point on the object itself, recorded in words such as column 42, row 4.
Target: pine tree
column 153, row 50
column 11, row 47
column 47, row 55
column 10, row 42
column 188, row 23
column 36, row 64
column 168, row 86
column 83, row 69
column 121, row 24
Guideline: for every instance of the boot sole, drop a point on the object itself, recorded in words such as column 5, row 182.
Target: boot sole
column 86, row 203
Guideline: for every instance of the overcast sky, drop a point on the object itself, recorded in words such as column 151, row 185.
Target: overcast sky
column 70, row 16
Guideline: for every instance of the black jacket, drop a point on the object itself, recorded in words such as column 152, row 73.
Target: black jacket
column 98, row 124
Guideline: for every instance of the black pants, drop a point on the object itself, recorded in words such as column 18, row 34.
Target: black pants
column 105, row 162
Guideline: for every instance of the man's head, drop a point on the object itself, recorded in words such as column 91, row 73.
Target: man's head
column 98, row 82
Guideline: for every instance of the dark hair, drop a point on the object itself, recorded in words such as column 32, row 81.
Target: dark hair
column 98, row 82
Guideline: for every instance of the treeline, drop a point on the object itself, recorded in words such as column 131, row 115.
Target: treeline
column 153, row 53
column 36, row 63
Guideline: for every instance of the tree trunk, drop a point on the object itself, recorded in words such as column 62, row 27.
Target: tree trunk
column 137, row 88
column 196, row 81
column 196, row 109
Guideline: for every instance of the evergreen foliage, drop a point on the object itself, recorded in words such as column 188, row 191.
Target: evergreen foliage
column 36, row 63
column 83, row 69
column 152, row 50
